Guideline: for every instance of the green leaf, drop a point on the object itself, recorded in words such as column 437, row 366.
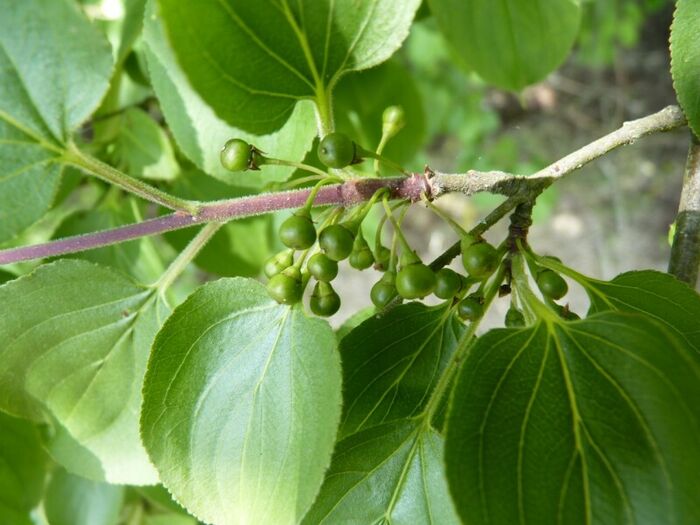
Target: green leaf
column 685, row 59
column 252, row 62
column 362, row 98
column 23, row 465
column 392, row 363
column 391, row 473
column 76, row 338
column 512, row 43
column 593, row 421
column 54, row 69
column 241, row 405
column 72, row 500
column 131, row 27
column 355, row 320
column 200, row 134
column 656, row 294
column 142, row 148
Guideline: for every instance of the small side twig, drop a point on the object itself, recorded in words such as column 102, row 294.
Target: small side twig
column 509, row 184
column 685, row 251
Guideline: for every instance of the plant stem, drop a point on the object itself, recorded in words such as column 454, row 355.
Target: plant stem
column 346, row 194
column 186, row 256
column 685, row 251
column 297, row 165
column 112, row 175
column 508, row 184
column 492, row 218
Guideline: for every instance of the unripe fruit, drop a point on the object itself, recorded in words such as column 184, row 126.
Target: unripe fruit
column 236, row 155
column 322, row 268
column 361, row 256
column 324, row 301
column 551, row 284
column 393, row 119
column 480, row 259
column 336, row 150
column 415, row 281
column 384, row 290
column 298, row 231
column 286, row 287
column 278, row 262
column 447, row 283
column 336, row 241
column 470, row 308
column 514, row 318
column 382, row 259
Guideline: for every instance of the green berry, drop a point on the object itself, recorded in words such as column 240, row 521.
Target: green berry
column 361, row 260
column 278, row 262
column 551, row 284
column 415, row 281
column 322, row 268
column 324, row 301
column 466, row 241
column 336, row 241
column 361, row 256
column 236, row 155
column 382, row 258
column 393, row 119
column 336, row 150
column 298, row 231
column 480, row 259
column 514, row 318
column 447, row 283
column 285, row 287
column 384, row 290
column 470, row 308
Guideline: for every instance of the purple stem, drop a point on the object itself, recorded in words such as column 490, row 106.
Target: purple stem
column 347, row 194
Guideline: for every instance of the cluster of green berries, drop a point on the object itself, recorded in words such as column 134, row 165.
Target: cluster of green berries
column 337, row 242
column 335, row 150
column 415, row 280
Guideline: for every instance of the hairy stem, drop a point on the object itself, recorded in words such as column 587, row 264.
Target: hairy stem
column 109, row 174
column 685, row 251
column 347, row 194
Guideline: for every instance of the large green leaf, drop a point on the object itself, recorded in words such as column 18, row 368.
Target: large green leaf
column 685, row 59
column 241, row 405
column 361, row 100
column 72, row 500
column 23, row 465
column 200, row 133
column 509, row 43
column 594, row 421
column 252, row 61
column 76, row 338
column 656, row 294
column 392, row 363
column 391, row 473
column 54, row 69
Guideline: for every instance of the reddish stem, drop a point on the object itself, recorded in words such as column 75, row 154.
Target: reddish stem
column 347, row 194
